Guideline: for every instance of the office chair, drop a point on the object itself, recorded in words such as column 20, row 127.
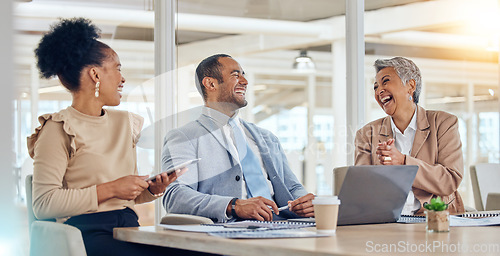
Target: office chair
column 49, row 238
column 338, row 178
column 485, row 179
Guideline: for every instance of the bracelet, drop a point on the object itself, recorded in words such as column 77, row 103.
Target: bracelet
column 233, row 207
column 159, row 194
column 156, row 195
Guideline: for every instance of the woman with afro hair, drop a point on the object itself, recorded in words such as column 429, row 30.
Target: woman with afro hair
column 85, row 171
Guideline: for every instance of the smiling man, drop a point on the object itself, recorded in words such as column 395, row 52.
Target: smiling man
column 243, row 172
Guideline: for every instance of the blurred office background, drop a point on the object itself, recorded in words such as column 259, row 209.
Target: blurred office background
column 294, row 55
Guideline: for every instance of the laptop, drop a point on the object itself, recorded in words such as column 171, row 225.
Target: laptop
column 374, row 193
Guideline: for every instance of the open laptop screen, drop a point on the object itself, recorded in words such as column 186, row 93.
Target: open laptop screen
column 374, row 193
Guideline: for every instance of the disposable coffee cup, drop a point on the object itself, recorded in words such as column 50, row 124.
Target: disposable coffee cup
column 326, row 212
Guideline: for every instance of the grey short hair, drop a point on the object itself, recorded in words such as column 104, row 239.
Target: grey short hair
column 406, row 70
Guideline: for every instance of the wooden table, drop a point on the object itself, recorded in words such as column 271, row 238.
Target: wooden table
column 390, row 238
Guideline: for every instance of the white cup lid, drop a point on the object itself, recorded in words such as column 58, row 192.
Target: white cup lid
column 326, row 200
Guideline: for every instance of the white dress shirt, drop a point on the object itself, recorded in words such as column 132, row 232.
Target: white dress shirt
column 222, row 120
column 404, row 143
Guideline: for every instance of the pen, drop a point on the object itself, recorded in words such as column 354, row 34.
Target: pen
column 281, row 208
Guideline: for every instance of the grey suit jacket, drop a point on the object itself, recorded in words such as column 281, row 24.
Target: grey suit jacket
column 208, row 186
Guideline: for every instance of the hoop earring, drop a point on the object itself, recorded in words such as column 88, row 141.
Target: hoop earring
column 97, row 89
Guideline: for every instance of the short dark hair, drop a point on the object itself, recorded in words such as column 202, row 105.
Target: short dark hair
column 209, row 67
column 69, row 46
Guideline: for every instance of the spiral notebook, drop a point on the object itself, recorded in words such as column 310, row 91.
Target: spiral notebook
column 280, row 233
column 468, row 219
column 411, row 219
column 456, row 221
column 265, row 229
column 255, row 224
column 480, row 214
column 240, row 226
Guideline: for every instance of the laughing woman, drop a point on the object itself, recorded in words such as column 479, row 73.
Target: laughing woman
column 85, row 171
column 411, row 135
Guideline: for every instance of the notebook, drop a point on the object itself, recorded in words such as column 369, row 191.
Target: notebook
column 456, row 221
column 470, row 215
column 239, row 226
column 374, row 193
column 256, row 224
column 282, row 233
column 251, row 229
column 480, row 214
column 411, row 219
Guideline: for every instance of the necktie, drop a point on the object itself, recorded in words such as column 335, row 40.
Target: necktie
column 255, row 181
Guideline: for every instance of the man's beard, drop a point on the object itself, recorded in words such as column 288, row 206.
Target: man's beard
column 231, row 99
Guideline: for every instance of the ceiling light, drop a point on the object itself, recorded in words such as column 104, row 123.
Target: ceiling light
column 492, row 93
column 304, row 63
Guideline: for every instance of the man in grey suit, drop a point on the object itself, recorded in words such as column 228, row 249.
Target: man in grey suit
column 222, row 185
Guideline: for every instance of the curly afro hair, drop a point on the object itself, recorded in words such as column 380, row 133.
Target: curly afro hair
column 67, row 48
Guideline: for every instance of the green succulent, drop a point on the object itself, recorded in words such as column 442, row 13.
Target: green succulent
column 436, row 204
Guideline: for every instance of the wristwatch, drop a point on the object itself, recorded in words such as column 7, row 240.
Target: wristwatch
column 233, row 207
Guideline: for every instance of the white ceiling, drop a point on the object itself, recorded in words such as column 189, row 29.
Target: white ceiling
column 406, row 26
column 269, row 30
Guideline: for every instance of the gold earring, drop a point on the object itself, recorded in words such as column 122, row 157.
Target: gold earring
column 97, row 89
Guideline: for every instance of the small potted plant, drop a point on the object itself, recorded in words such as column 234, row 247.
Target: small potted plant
column 437, row 216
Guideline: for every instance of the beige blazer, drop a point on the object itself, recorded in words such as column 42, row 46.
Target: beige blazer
column 437, row 150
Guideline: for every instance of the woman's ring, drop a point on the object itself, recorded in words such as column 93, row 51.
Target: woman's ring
column 387, row 158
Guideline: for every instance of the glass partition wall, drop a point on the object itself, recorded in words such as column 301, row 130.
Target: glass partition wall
column 126, row 26
column 293, row 53
column 284, row 48
column 457, row 54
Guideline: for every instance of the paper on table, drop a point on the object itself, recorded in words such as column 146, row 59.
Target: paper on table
column 471, row 222
column 199, row 228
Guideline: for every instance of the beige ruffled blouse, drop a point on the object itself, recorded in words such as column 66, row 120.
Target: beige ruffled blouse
column 74, row 152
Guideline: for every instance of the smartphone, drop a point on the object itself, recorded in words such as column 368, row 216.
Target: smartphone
column 177, row 167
